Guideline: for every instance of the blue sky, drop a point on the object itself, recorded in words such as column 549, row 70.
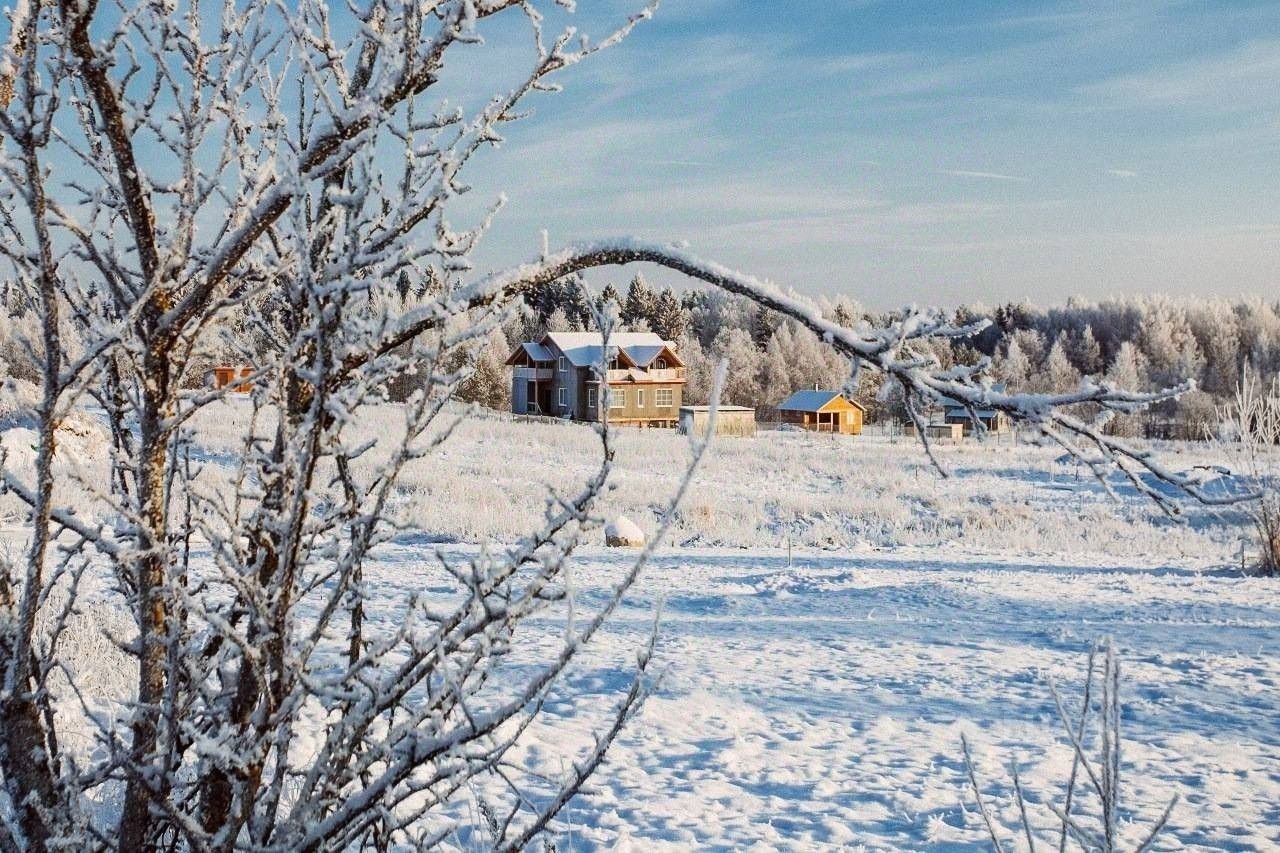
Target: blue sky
column 915, row 152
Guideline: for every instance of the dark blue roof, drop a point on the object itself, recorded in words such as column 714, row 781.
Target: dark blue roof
column 810, row 401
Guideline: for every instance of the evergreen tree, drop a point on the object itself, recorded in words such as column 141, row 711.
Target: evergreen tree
column 764, row 323
column 1086, row 353
column 668, row 318
column 637, row 310
column 609, row 295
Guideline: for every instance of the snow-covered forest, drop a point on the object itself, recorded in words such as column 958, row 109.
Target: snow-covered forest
column 1135, row 342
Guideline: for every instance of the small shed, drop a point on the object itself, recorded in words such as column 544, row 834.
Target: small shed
column 993, row 420
column 940, row 432
column 224, row 375
column 822, row 411
column 730, row 420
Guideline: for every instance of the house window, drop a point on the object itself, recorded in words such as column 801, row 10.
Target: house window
column 591, row 398
column 562, row 397
column 662, row 398
column 617, row 398
column 660, row 364
column 639, row 398
column 562, row 364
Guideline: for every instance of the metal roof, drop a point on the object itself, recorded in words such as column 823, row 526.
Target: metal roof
column 810, row 401
column 538, row 352
column 954, row 408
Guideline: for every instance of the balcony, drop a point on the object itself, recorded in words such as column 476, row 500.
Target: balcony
column 533, row 373
column 669, row 374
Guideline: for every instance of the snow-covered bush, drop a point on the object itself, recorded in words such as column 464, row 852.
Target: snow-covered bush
column 1251, row 441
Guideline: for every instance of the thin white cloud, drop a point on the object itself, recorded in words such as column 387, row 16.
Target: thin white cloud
column 991, row 176
column 1239, row 78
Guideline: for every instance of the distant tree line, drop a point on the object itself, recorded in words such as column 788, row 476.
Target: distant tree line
column 1139, row 342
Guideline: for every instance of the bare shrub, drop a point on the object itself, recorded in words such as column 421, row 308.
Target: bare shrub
column 1088, row 812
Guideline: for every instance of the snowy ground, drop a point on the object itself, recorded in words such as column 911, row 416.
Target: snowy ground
column 820, row 706
column 816, row 701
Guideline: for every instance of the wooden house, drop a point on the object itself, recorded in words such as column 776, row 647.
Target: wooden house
column 822, row 411
column 730, row 420
column 558, row 376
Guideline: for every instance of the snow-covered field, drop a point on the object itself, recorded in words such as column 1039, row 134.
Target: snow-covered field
column 834, row 616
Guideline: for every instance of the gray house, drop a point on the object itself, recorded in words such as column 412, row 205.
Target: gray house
column 992, row 420
column 557, row 376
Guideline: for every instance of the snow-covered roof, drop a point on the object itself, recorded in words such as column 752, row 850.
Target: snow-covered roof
column 583, row 348
column 644, row 354
column 538, row 352
column 810, row 401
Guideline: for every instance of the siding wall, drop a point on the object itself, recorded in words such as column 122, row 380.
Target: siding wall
column 650, row 411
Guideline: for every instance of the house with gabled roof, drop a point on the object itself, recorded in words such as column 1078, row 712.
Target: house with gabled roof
column 558, row 376
column 992, row 420
column 822, row 411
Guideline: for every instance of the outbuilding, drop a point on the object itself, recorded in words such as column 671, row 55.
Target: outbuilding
column 730, row 420
column 822, row 411
column 224, row 375
column 992, row 421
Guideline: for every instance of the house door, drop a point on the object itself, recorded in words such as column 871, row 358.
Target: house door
column 531, row 397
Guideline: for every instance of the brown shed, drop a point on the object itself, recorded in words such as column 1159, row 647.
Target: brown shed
column 224, row 375
column 822, row 411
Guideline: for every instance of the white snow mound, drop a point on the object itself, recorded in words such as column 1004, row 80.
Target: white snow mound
column 622, row 532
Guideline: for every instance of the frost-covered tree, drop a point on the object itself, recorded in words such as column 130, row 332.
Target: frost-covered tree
column 1058, row 374
column 167, row 166
column 1086, row 352
column 1170, row 348
column 742, row 385
column 1127, row 370
column 558, row 321
column 699, row 370
column 637, row 308
column 489, row 382
column 1015, row 365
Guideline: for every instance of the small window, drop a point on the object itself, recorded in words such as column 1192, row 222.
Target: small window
column 562, row 363
column 660, row 364
column 639, row 398
column 591, row 398
column 563, row 397
column 617, row 398
column 662, row 398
